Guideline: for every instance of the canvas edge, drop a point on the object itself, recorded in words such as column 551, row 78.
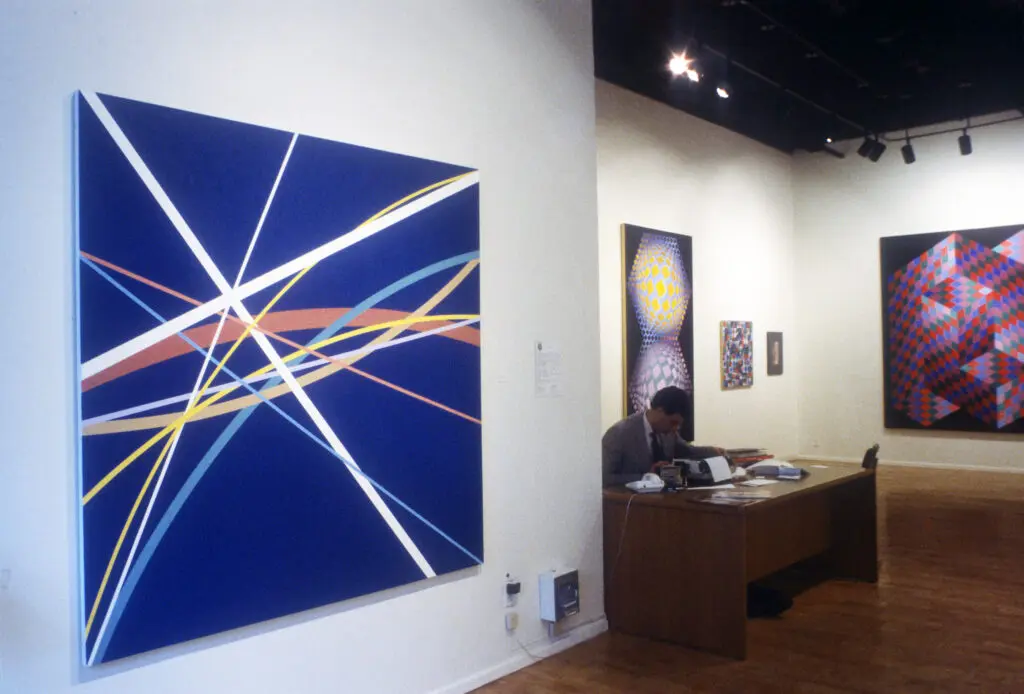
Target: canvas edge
column 625, row 308
column 76, row 327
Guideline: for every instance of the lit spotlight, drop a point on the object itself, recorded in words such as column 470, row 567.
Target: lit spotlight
column 828, row 140
column 723, row 92
column 693, row 75
column 679, row 64
column 965, row 144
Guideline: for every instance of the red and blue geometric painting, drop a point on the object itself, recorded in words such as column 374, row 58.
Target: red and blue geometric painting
column 658, row 317
column 279, row 370
column 737, row 343
column 953, row 305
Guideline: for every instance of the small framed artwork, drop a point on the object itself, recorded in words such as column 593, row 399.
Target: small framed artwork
column 774, row 354
column 737, row 354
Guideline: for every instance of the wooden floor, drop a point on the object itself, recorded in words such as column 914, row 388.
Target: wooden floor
column 947, row 615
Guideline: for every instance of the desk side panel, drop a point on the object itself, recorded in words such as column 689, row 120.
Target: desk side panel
column 854, row 529
column 677, row 576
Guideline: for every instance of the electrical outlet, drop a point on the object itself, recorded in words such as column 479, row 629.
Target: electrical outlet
column 511, row 621
column 511, row 590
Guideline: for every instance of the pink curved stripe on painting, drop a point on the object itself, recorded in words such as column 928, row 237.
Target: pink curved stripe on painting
column 277, row 322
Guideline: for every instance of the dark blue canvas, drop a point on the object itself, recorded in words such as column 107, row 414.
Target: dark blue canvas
column 279, row 352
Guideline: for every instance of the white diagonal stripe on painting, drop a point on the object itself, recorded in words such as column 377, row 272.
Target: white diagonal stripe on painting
column 191, row 400
column 258, row 284
column 192, row 241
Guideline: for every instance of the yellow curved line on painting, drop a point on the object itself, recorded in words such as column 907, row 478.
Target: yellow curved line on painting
column 246, row 333
column 193, row 413
column 395, row 328
column 123, row 535
column 196, row 406
column 185, row 416
column 300, row 275
column 206, row 411
column 416, row 316
column 412, row 196
column 398, row 322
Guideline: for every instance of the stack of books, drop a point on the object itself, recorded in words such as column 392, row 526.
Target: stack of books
column 748, row 456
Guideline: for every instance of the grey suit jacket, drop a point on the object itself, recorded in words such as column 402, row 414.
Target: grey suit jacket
column 626, row 450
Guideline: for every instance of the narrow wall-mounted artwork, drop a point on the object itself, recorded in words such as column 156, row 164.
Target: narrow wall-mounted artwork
column 953, row 322
column 775, row 356
column 737, row 343
column 657, row 289
column 279, row 361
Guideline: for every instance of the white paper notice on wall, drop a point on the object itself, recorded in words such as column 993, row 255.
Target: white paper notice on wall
column 547, row 370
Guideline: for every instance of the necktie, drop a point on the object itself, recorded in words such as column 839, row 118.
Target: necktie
column 657, row 452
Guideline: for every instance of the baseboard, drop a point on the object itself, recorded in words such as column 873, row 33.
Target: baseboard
column 910, row 463
column 583, row 632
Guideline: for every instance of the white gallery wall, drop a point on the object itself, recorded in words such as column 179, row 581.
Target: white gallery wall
column 661, row 168
column 502, row 85
column 843, row 207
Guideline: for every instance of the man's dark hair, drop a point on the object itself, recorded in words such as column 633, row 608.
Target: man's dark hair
column 672, row 400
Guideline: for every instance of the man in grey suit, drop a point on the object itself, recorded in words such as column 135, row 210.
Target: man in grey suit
column 641, row 441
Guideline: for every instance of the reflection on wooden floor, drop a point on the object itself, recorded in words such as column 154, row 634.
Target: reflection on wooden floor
column 947, row 615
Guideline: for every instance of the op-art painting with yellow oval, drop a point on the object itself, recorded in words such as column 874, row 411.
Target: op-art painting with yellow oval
column 658, row 316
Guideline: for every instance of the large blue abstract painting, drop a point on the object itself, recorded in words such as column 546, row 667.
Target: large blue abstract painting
column 279, row 355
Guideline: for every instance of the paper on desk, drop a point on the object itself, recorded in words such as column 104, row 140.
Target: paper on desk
column 727, row 485
column 760, row 482
column 771, row 462
column 821, row 467
column 719, row 467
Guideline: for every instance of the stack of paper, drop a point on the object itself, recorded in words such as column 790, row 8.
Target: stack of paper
column 736, row 497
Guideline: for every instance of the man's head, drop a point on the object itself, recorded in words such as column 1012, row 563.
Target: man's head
column 670, row 407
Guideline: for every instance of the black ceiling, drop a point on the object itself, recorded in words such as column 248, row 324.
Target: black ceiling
column 824, row 68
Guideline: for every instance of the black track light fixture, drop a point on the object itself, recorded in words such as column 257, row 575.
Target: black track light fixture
column 908, row 151
column 872, row 148
column 865, row 147
column 966, row 146
column 877, row 150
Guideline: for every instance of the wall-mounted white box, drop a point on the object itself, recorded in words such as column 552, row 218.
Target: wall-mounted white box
column 559, row 594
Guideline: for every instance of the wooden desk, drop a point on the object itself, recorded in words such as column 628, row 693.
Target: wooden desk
column 680, row 570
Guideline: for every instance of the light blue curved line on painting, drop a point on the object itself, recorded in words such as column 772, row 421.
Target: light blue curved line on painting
column 135, row 573
column 263, row 378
